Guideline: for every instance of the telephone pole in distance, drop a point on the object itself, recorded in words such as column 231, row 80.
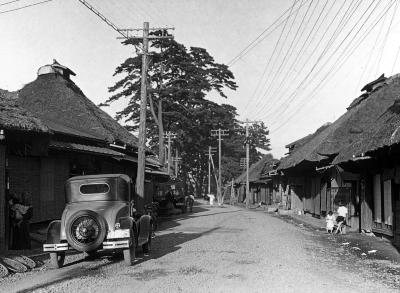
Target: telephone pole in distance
column 219, row 132
column 247, row 122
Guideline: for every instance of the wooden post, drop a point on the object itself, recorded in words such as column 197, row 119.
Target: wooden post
column 142, row 123
column 219, row 193
column 209, row 169
column 169, row 153
column 3, row 204
column 247, row 166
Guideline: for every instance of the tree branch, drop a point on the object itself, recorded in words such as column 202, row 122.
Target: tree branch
column 152, row 110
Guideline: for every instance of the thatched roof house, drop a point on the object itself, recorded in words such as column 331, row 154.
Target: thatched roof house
column 256, row 170
column 384, row 127
column 14, row 117
column 305, row 150
column 60, row 104
column 367, row 115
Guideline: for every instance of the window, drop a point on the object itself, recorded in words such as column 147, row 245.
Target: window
column 94, row 188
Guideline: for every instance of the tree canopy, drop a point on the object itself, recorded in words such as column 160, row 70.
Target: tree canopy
column 179, row 81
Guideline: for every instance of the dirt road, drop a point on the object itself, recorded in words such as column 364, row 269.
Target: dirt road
column 221, row 250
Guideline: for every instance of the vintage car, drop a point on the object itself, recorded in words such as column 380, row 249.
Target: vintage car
column 99, row 214
column 184, row 203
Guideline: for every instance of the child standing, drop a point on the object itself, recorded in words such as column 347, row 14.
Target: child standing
column 330, row 222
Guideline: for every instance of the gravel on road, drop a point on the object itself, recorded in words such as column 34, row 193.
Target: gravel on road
column 227, row 249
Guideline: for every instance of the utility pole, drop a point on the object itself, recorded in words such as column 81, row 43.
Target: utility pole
column 143, row 106
column 142, row 123
column 169, row 135
column 247, row 122
column 211, row 151
column 125, row 33
column 219, row 132
column 177, row 159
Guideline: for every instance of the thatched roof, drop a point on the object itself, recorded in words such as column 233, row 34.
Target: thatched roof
column 61, row 105
column 368, row 115
column 256, row 170
column 14, row 117
column 384, row 125
column 297, row 143
column 306, row 151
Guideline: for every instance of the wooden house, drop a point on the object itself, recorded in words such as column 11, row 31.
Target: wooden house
column 57, row 133
column 337, row 168
column 15, row 121
column 260, row 187
column 376, row 155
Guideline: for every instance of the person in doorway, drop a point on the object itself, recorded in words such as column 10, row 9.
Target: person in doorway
column 330, row 222
column 342, row 212
column 21, row 213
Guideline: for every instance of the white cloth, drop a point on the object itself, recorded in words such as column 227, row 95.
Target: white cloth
column 330, row 222
column 342, row 211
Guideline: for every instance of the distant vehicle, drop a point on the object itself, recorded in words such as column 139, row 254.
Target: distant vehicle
column 99, row 214
column 184, row 203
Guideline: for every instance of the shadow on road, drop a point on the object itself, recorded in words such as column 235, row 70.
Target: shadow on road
column 162, row 245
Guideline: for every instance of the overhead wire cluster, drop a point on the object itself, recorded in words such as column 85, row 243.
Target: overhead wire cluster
column 317, row 39
column 27, row 5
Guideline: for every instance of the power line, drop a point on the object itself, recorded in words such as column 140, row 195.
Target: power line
column 271, row 56
column 301, row 34
column 327, row 45
column 334, row 63
column 262, row 36
column 9, row 2
column 294, row 93
column 269, row 88
column 282, row 48
column 342, row 23
column 103, row 18
column 386, row 36
column 259, row 110
column 395, row 60
column 338, row 65
column 22, row 7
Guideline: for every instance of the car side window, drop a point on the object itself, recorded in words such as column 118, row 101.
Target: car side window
column 87, row 189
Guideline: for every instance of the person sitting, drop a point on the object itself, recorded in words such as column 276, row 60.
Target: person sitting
column 342, row 212
column 330, row 222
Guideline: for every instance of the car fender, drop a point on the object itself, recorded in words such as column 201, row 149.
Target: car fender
column 144, row 229
column 54, row 232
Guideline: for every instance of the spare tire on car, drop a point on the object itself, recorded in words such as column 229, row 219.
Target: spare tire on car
column 85, row 230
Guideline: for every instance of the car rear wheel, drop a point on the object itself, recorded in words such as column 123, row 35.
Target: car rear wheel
column 86, row 230
column 130, row 253
column 57, row 259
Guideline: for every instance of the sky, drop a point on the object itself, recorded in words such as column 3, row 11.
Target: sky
column 298, row 74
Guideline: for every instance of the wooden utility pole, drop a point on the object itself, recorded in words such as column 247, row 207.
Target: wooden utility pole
column 143, row 107
column 211, row 151
column 177, row 159
column 247, row 122
column 169, row 135
column 142, row 123
column 125, row 33
column 219, row 132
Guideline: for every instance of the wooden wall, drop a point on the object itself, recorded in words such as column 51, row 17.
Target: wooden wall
column 43, row 178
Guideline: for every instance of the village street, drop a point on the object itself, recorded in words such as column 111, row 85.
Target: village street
column 226, row 249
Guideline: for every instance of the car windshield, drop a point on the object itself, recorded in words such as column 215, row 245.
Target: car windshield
column 94, row 188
